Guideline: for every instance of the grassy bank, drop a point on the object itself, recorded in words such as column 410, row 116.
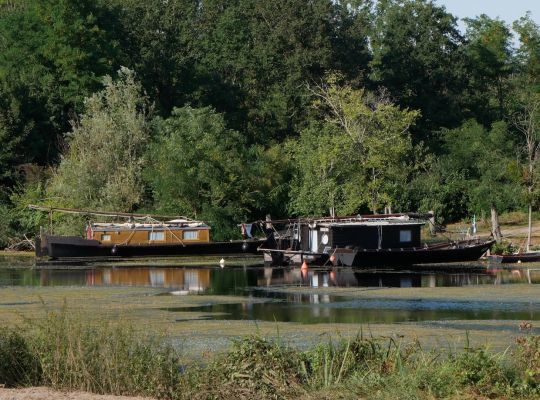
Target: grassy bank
column 65, row 352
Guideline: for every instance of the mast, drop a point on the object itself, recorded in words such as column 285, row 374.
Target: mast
column 50, row 210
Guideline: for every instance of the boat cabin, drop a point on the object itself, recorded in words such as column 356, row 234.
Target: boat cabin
column 170, row 232
column 372, row 233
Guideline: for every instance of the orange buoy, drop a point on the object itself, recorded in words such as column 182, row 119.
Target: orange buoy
column 304, row 265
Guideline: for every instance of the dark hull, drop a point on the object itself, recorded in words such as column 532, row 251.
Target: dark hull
column 460, row 252
column 515, row 258
column 65, row 247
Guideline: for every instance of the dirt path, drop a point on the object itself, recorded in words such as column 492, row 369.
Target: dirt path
column 43, row 393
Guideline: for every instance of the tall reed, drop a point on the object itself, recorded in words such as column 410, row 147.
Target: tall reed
column 110, row 357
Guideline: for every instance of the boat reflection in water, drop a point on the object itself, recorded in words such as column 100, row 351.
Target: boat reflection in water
column 192, row 280
column 239, row 281
column 268, row 302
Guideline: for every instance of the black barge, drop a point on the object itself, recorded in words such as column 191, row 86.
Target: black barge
column 364, row 241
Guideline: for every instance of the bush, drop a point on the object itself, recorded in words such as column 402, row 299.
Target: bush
column 527, row 362
column 503, row 247
column 481, row 371
column 18, row 365
column 254, row 368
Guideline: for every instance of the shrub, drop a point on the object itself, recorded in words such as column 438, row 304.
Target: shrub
column 481, row 371
column 503, row 247
column 18, row 365
column 527, row 363
column 254, row 368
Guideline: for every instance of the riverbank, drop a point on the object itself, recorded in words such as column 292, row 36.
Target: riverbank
column 45, row 393
column 66, row 352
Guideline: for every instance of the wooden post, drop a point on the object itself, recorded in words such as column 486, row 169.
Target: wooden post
column 50, row 222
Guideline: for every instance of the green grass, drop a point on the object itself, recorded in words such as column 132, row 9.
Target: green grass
column 64, row 351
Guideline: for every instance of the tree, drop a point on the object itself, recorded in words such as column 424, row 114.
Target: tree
column 464, row 179
column 490, row 63
column 159, row 40
column 102, row 166
column 527, row 123
column 416, row 56
column 256, row 56
column 360, row 157
column 528, row 53
column 198, row 168
column 52, row 55
column 526, row 117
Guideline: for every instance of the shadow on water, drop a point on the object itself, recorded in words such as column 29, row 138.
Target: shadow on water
column 270, row 305
column 361, row 311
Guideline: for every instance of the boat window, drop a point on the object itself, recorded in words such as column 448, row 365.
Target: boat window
column 191, row 235
column 157, row 236
column 105, row 238
column 405, row 236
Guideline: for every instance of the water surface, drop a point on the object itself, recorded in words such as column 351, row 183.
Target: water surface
column 263, row 284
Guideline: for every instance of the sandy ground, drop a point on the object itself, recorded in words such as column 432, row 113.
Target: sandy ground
column 43, row 393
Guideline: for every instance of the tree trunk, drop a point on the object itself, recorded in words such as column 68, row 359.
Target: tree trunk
column 432, row 227
column 495, row 228
column 528, row 248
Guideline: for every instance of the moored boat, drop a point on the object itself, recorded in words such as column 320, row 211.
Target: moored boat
column 365, row 241
column 533, row 256
column 175, row 237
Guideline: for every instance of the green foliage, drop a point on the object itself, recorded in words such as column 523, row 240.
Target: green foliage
column 528, row 55
column 466, row 179
column 503, row 247
column 159, row 40
column 481, row 370
column 52, row 55
column 490, row 64
column 430, row 101
column 108, row 358
column 19, row 365
column 102, row 168
column 357, row 158
column 416, row 56
column 254, row 365
column 69, row 352
column 527, row 363
column 198, row 167
column 258, row 56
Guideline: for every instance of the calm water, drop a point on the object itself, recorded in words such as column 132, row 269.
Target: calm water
column 262, row 285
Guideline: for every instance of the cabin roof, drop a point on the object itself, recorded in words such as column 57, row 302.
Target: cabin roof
column 149, row 226
column 373, row 222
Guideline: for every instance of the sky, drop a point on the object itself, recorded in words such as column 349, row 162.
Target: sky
column 507, row 10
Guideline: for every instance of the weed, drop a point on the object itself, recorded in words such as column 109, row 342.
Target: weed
column 18, row 364
column 254, row 367
column 527, row 363
column 108, row 358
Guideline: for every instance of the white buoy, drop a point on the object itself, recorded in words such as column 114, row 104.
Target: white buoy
column 222, row 262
